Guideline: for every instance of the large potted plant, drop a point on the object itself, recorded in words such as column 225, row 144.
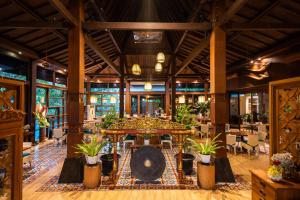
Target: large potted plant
column 108, row 159
column 203, row 108
column 41, row 116
column 184, row 116
column 206, row 149
column 91, row 149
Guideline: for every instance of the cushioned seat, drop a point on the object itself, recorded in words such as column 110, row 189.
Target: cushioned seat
column 165, row 137
column 129, row 137
column 26, row 154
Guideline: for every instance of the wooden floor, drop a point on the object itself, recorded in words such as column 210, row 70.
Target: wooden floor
column 241, row 164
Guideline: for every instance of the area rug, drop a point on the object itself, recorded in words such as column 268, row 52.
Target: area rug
column 44, row 158
column 169, row 179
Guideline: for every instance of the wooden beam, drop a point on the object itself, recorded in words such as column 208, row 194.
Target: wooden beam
column 32, row 25
column 60, row 7
column 98, row 50
column 92, row 25
column 261, row 27
column 233, row 9
column 102, row 18
column 30, row 11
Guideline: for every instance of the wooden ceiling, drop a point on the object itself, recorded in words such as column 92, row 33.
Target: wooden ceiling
column 256, row 28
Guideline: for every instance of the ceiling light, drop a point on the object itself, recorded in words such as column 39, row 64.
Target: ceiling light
column 181, row 99
column 20, row 52
column 160, row 57
column 136, row 69
column 148, row 86
column 158, row 67
column 93, row 99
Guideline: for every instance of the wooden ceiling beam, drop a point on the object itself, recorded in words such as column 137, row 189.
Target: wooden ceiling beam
column 233, row 9
column 261, row 27
column 60, row 7
column 192, row 18
column 48, row 25
column 30, row 11
column 93, row 25
column 102, row 18
column 98, row 50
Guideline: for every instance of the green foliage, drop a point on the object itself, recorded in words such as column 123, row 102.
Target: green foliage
column 109, row 119
column 247, row 117
column 42, row 120
column 203, row 107
column 92, row 148
column 184, row 116
column 208, row 148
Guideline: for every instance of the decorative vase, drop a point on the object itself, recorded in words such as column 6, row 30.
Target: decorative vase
column 107, row 163
column 146, row 141
column 187, row 163
column 205, row 158
column 91, row 160
column 42, row 134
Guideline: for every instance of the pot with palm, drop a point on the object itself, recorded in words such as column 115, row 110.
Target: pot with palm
column 91, row 150
column 40, row 115
column 147, row 136
column 207, row 149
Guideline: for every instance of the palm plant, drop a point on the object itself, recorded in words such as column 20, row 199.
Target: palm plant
column 91, row 149
column 208, row 148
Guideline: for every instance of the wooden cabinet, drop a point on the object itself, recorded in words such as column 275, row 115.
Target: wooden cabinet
column 265, row 189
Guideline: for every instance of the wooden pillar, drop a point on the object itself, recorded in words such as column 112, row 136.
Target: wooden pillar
column 32, row 96
column 75, row 79
column 88, row 93
column 139, row 104
column 206, row 89
column 53, row 78
column 173, row 86
column 218, row 85
column 128, row 99
column 167, row 98
column 121, row 91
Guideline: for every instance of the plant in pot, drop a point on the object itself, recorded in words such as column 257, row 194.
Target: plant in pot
column 40, row 115
column 184, row 116
column 203, row 108
column 91, row 150
column 108, row 159
column 109, row 119
column 147, row 137
column 206, row 149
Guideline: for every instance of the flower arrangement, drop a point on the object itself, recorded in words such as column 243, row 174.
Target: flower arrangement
column 275, row 172
column 41, row 115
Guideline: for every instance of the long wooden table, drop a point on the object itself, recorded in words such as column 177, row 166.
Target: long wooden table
column 117, row 133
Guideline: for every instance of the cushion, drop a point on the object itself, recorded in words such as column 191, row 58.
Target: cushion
column 25, row 154
column 130, row 137
column 165, row 137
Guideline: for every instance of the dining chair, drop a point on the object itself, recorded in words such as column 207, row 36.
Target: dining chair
column 231, row 142
column 204, row 130
column 262, row 135
column 128, row 139
column 58, row 135
column 252, row 144
column 166, row 139
column 227, row 127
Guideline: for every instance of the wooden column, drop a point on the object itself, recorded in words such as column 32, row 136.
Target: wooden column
column 88, row 93
column 53, row 78
column 128, row 99
column 206, row 89
column 173, row 88
column 167, row 98
column 32, row 96
column 139, row 104
column 218, row 85
column 75, row 79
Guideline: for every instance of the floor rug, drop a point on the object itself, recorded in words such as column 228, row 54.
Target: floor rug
column 169, row 179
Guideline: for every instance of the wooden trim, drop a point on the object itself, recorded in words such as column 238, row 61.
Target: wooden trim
column 32, row 25
column 93, row 25
column 60, row 7
column 261, row 27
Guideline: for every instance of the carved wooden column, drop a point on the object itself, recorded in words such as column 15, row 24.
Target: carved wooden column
column 139, row 104
column 167, row 98
column 121, row 91
column 128, row 99
column 218, row 85
column 75, row 79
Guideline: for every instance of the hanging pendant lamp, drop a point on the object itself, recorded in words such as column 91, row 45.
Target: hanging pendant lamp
column 136, row 69
column 160, row 57
column 158, row 67
column 148, row 86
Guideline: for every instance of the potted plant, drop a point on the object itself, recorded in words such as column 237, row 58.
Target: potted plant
column 40, row 115
column 203, row 108
column 109, row 119
column 147, row 136
column 187, row 158
column 206, row 149
column 91, row 150
column 108, row 159
column 285, row 161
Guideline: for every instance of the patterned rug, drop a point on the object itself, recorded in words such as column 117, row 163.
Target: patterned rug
column 44, row 158
column 169, row 179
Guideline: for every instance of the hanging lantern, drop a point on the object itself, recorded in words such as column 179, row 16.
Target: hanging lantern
column 158, row 67
column 148, row 86
column 160, row 57
column 201, row 99
column 181, row 99
column 136, row 69
column 113, row 99
column 93, row 99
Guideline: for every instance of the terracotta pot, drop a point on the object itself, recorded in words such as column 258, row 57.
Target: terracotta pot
column 206, row 176
column 42, row 134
